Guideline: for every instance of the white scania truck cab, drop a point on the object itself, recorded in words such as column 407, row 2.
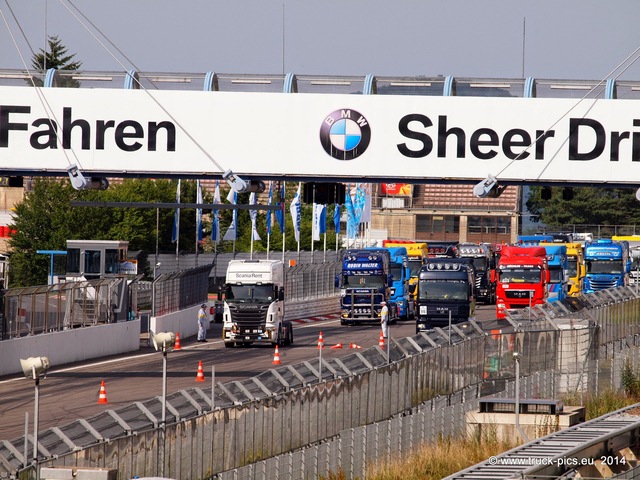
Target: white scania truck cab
column 254, row 304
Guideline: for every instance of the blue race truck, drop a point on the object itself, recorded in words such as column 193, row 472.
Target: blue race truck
column 558, row 261
column 608, row 264
column 401, row 273
column 365, row 281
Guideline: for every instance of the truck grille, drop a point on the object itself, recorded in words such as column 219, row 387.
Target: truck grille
column 520, row 294
column 248, row 316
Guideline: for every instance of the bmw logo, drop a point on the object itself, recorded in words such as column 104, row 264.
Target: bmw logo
column 345, row 134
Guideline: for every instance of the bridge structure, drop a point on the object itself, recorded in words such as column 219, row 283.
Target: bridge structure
column 324, row 128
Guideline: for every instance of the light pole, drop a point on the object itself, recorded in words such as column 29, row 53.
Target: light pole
column 516, row 359
column 35, row 368
column 153, row 290
column 164, row 342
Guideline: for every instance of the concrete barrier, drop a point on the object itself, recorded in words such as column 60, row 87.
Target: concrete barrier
column 70, row 346
column 85, row 343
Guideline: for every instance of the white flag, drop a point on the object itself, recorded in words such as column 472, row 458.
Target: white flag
column 319, row 220
column 232, row 232
column 294, row 209
column 253, row 215
column 215, row 221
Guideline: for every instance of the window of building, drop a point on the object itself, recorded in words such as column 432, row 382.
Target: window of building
column 92, row 261
column 111, row 261
column 437, row 225
column 73, row 260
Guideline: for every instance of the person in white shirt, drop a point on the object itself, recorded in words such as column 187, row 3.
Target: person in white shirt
column 202, row 323
column 384, row 319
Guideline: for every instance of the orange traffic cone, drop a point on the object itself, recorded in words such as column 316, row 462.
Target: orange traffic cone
column 276, row 357
column 354, row 345
column 337, row 345
column 102, row 398
column 200, row 375
column 320, row 341
column 176, row 345
column 381, row 341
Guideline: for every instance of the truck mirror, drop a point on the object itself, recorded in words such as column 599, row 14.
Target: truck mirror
column 390, row 280
column 492, row 276
column 281, row 294
column 219, row 293
column 547, row 277
column 412, row 288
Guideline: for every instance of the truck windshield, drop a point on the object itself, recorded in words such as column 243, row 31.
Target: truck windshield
column 573, row 267
column 520, row 275
column 442, row 290
column 369, row 281
column 249, row 293
column 604, row 266
column 556, row 275
column 414, row 266
column 396, row 270
column 479, row 264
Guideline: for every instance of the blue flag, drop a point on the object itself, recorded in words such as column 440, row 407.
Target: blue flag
column 269, row 212
column 336, row 217
column 199, row 212
column 280, row 212
column 176, row 218
column 352, row 225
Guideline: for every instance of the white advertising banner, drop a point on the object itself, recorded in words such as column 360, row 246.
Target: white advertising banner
column 346, row 137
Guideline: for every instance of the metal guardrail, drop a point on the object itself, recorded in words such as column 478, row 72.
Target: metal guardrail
column 561, row 452
column 360, row 389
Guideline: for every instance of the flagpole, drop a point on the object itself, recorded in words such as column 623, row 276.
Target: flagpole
column 324, row 255
column 283, row 196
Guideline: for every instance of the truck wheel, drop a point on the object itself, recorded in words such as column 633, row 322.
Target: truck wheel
column 229, row 344
column 289, row 340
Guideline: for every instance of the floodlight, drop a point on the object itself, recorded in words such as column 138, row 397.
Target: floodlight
column 163, row 341
column 34, row 367
column 239, row 185
column 80, row 182
column 488, row 188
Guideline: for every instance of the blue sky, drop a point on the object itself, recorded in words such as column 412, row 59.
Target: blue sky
column 567, row 39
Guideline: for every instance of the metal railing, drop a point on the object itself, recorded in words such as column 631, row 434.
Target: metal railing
column 248, row 423
column 50, row 308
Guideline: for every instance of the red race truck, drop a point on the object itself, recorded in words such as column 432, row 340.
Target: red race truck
column 523, row 275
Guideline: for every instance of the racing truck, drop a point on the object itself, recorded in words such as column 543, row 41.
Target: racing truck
column 523, row 276
column 254, row 304
column 364, row 282
column 484, row 267
column 446, row 292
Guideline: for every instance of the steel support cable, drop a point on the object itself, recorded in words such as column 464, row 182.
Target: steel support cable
column 39, row 90
column 601, row 83
column 195, row 142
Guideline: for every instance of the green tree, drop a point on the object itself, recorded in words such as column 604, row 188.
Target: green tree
column 589, row 206
column 45, row 220
column 57, row 57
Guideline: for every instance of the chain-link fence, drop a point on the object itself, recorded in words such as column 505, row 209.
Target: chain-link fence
column 50, row 308
column 311, row 281
column 179, row 290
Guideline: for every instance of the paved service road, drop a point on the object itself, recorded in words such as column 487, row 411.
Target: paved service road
column 71, row 392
